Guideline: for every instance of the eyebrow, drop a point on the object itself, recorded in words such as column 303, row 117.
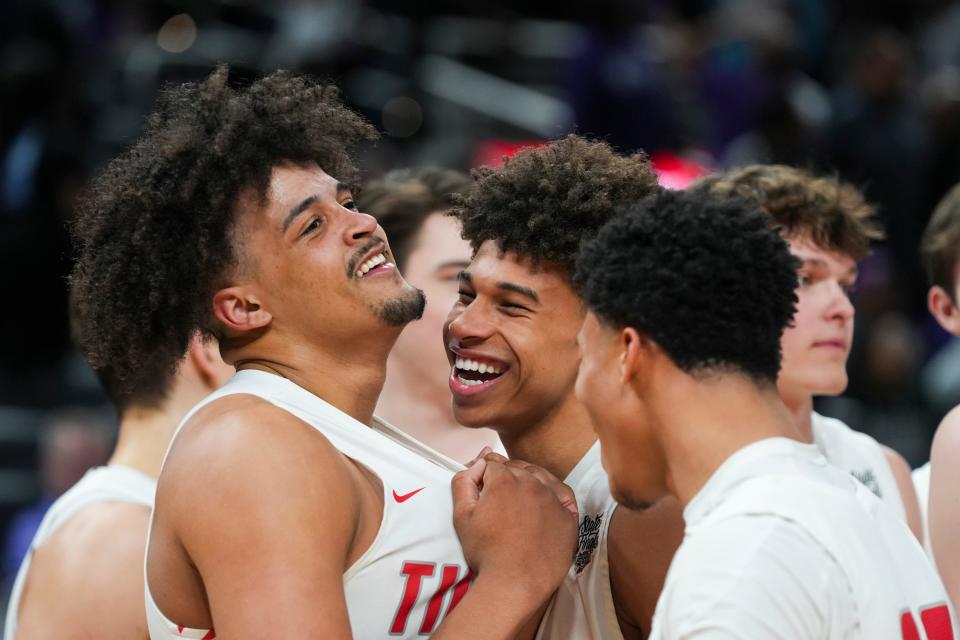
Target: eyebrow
column 306, row 203
column 822, row 264
column 506, row 286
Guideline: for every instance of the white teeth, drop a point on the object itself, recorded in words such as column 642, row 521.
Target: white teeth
column 370, row 264
column 469, row 383
column 466, row 364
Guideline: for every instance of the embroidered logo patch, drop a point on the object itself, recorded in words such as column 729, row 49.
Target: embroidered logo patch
column 868, row 479
column 587, row 540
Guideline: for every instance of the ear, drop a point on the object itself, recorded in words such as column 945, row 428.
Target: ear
column 239, row 310
column 204, row 356
column 944, row 309
column 636, row 351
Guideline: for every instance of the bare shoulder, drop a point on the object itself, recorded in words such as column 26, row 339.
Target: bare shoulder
column 241, row 458
column 87, row 572
column 243, row 440
column 898, row 464
column 947, row 438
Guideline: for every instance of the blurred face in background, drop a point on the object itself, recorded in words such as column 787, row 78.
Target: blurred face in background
column 437, row 257
column 817, row 343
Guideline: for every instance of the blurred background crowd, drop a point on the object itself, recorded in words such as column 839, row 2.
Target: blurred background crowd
column 868, row 90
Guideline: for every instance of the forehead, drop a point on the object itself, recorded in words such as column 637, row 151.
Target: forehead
column 807, row 250
column 290, row 184
column 439, row 238
column 491, row 266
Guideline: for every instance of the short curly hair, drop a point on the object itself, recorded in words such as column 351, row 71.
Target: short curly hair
column 707, row 278
column 831, row 213
column 940, row 246
column 403, row 199
column 154, row 234
column 545, row 201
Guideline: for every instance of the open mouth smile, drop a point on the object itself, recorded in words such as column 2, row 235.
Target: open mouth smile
column 472, row 375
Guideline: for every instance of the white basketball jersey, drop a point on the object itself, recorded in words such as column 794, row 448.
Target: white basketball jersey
column 583, row 605
column 859, row 455
column 112, row 483
column 921, row 483
column 781, row 544
column 414, row 572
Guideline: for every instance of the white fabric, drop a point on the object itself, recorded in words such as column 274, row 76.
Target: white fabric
column 859, row 455
column 780, row 544
column 416, row 535
column 112, row 483
column 921, row 484
column 583, row 605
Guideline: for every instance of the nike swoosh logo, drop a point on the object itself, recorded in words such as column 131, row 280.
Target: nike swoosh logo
column 406, row 496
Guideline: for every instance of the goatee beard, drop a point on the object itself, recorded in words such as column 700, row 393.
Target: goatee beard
column 401, row 310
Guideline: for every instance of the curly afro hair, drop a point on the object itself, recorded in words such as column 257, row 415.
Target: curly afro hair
column 545, row 201
column 706, row 277
column 831, row 213
column 154, row 233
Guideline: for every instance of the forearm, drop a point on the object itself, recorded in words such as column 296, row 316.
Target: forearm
column 494, row 610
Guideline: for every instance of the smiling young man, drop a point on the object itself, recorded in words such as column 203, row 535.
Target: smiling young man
column 828, row 226
column 284, row 508
column 511, row 340
column 688, row 296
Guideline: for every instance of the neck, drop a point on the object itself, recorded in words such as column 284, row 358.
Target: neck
column 144, row 436
column 556, row 442
column 348, row 376
column 731, row 412
column 800, row 406
column 422, row 409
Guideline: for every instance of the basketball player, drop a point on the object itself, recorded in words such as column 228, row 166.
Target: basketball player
column 85, row 564
column 283, row 507
column 940, row 250
column 511, row 340
column 688, row 296
column 828, row 227
column 409, row 204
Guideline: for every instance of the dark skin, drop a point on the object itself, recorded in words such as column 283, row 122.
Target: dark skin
column 296, row 308
column 525, row 319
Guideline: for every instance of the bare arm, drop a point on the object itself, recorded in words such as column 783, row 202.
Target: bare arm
column 944, row 510
column 641, row 545
column 908, row 494
column 249, row 493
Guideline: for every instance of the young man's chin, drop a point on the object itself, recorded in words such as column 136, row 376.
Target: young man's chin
column 402, row 309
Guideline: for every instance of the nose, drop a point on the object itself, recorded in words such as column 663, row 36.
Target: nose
column 360, row 227
column 468, row 323
column 840, row 305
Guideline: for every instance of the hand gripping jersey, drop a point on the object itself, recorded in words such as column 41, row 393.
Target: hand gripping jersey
column 414, row 572
column 583, row 606
column 781, row 544
column 112, row 483
column 859, row 455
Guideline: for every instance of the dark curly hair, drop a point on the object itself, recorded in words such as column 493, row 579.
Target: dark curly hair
column 403, row 199
column 832, row 214
column 707, row 278
column 154, row 232
column 545, row 201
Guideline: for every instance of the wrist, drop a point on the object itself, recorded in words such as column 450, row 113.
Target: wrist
column 525, row 592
